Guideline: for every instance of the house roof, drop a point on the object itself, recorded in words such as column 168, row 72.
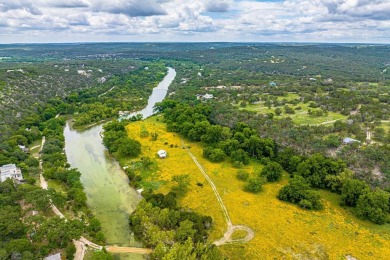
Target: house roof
column 162, row 152
column 349, row 140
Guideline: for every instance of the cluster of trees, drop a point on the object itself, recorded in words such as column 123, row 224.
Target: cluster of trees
column 239, row 143
column 319, row 172
column 172, row 232
column 24, row 235
column 116, row 140
column 55, row 164
column 271, row 172
column 46, row 232
column 122, row 92
column 365, row 104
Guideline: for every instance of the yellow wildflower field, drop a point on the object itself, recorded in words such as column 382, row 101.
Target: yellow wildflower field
column 282, row 230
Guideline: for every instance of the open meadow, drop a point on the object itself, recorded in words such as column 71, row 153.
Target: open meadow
column 282, row 230
column 301, row 114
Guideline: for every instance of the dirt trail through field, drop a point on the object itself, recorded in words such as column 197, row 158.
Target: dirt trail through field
column 135, row 250
column 227, row 237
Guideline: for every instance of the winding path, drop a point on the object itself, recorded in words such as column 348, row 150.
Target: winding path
column 227, row 237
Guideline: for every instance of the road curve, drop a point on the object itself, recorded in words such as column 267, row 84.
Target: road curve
column 227, row 237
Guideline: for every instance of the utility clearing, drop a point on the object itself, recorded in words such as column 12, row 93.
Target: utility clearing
column 227, row 237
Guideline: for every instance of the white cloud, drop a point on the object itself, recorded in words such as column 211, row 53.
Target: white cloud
column 206, row 20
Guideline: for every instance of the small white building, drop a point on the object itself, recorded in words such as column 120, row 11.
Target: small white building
column 162, row 154
column 205, row 96
column 10, row 171
column 208, row 96
column 24, row 148
column 349, row 140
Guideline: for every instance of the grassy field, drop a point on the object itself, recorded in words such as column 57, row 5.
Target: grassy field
column 301, row 117
column 282, row 230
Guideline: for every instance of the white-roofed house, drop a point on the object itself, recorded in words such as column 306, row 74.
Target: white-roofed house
column 10, row 171
column 162, row 154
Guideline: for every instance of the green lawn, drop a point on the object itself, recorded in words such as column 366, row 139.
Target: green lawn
column 301, row 117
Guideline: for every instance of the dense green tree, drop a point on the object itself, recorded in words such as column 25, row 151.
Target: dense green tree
column 298, row 191
column 374, row 206
column 351, row 190
column 317, row 167
column 254, row 185
column 128, row 147
column 272, row 171
column 240, row 156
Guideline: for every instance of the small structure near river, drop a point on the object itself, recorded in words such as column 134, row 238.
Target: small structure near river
column 162, row 154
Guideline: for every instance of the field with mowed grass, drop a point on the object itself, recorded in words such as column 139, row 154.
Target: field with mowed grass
column 301, row 115
column 282, row 230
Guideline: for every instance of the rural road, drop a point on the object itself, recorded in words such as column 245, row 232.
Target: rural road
column 227, row 237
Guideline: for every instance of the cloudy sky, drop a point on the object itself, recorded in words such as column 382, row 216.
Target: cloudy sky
column 195, row 20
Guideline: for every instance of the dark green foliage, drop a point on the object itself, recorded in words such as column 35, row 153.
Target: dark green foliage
column 129, row 147
column 116, row 140
column 214, row 155
column 289, row 160
column 272, row 171
column 317, row 167
column 374, row 206
column 70, row 251
column 160, row 200
column 254, row 185
column 351, row 191
column 170, row 230
column 240, row 156
column 164, row 219
column 52, row 232
column 298, row 191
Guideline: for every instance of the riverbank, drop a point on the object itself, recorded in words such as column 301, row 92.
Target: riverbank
column 109, row 195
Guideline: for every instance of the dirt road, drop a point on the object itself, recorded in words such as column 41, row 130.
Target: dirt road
column 227, row 237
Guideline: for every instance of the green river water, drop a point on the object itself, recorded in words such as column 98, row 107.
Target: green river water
column 109, row 195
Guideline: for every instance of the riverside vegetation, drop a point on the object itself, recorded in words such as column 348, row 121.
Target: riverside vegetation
column 315, row 232
column 273, row 106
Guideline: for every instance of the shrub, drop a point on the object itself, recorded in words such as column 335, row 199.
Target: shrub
column 272, row 171
column 374, row 206
column 242, row 175
column 298, row 192
column 254, row 185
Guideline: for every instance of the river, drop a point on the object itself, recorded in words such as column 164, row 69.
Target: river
column 157, row 95
column 109, row 195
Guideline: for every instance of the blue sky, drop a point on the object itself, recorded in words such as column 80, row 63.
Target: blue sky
column 366, row 21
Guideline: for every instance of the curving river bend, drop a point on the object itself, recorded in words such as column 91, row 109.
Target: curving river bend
column 109, row 195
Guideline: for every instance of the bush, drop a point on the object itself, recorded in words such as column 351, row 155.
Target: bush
column 242, row 175
column 70, row 251
column 272, row 171
column 214, row 155
column 298, row 192
column 351, row 191
column 254, row 185
column 374, row 206
column 240, row 156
